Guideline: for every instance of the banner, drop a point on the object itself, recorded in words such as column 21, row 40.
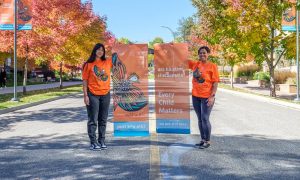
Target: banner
column 130, row 90
column 172, row 99
column 289, row 18
column 7, row 15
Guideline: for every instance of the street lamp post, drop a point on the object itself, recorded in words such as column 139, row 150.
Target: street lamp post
column 297, row 49
column 15, row 98
column 173, row 33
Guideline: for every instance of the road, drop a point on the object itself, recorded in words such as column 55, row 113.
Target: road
column 251, row 139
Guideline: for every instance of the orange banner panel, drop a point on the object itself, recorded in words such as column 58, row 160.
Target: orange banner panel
column 289, row 18
column 130, row 82
column 7, row 14
column 24, row 12
column 172, row 101
column 6, row 11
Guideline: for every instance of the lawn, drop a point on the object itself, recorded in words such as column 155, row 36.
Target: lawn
column 35, row 96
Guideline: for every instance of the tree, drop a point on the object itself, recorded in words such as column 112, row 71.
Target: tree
column 253, row 27
column 262, row 25
column 63, row 21
column 157, row 40
column 63, row 33
column 218, row 26
column 185, row 29
column 124, row 40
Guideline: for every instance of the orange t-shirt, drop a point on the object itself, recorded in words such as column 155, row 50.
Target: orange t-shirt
column 97, row 75
column 208, row 72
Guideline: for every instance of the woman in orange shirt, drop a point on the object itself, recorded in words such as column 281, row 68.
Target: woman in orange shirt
column 96, row 89
column 205, row 84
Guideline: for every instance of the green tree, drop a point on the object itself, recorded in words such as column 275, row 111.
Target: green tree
column 263, row 29
column 124, row 40
column 158, row 40
column 251, row 27
column 185, row 29
column 218, row 25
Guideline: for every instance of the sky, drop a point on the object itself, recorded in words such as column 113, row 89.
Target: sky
column 140, row 21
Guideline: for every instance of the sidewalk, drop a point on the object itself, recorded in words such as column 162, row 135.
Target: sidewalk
column 264, row 91
column 9, row 90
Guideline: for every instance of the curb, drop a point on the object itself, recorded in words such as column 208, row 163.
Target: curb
column 262, row 98
column 8, row 110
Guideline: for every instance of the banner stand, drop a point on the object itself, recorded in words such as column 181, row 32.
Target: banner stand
column 130, row 129
column 172, row 126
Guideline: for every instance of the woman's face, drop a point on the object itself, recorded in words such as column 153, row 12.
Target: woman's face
column 99, row 52
column 203, row 55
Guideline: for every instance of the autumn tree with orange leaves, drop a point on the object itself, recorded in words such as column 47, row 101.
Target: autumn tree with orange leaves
column 63, row 34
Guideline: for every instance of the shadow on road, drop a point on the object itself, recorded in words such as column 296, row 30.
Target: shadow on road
column 230, row 157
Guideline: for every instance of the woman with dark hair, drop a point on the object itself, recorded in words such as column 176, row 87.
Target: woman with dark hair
column 96, row 89
column 205, row 84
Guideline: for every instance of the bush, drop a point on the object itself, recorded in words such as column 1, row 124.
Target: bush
column 261, row 76
column 224, row 73
column 49, row 74
column 65, row 77
column 246, row 70
column 291, row 81
column 282, row 76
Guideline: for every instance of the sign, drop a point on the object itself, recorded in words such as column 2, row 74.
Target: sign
column 172, row 99
column 7, row 15
column 289, row 18
column 130, row 90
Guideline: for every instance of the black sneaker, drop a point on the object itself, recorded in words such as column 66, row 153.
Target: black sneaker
column 95, row 147
column 199, row 144
column 205, row 145
column 103, row 145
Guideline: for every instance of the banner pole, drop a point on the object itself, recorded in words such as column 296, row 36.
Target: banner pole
column 15, row 49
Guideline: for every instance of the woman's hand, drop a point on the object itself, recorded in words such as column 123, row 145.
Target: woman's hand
column 86, row 100
column 210, row 100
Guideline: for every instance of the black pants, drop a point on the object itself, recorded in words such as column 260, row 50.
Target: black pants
column 97, row 115
column 203, row 112
column 2, row 83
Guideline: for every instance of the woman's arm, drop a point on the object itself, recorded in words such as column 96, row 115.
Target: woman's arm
column 85, row 95
column 214, row 90
column 211, row 98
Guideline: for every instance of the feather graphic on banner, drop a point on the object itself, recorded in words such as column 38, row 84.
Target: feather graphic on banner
column 125, row 94
column 23, row 12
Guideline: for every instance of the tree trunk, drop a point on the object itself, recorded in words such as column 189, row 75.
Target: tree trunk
column 272, row 82
column 25, row 76
column 271, row 64
column 25, row 71
column 231, row 76
column 60, row 76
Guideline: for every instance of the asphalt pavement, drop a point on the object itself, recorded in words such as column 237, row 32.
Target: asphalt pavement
column 252, row 138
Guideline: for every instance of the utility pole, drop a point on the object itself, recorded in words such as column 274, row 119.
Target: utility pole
column 297, row 50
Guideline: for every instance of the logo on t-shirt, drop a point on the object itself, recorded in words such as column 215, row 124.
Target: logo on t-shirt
column 100, row 73
column 198, row 76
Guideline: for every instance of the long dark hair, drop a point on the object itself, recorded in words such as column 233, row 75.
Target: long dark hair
column 93, row 55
